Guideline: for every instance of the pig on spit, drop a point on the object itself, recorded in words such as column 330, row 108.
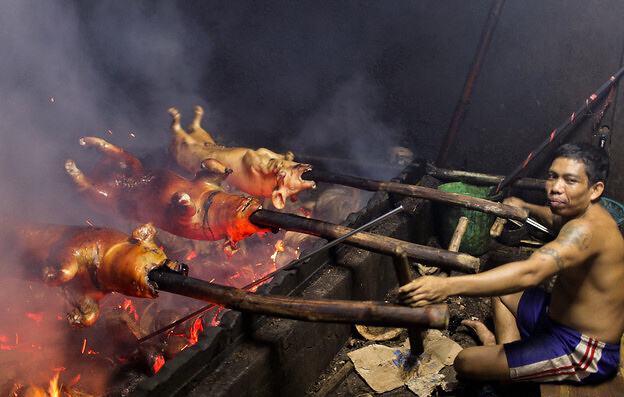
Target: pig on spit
column 260, row 172
column 91, row 262
column 197, row 209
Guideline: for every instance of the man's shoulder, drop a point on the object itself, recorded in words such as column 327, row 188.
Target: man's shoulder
column 578, row 233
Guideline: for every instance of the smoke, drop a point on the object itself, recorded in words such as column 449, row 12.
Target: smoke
column 75, row 70
column 349, row 113
column 306, row 76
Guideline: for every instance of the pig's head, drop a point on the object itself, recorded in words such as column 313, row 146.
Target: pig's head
column 125, row 266
column 290, row 182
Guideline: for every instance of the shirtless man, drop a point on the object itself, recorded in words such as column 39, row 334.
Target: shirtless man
column 572, row 334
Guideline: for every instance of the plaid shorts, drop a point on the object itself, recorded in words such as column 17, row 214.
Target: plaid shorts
column 551, row 352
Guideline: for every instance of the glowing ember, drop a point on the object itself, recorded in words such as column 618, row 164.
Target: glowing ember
column 84, row 345
column 191, row 255
column 196, row 328
column 131, row 134
column 51, row 99
column 158, row 363
column 4, row 345
column 89, row 222
column 109, row 132
column 305, row 212
column 215, row 320
column 128, row 306
column 36, row 317
column 279, row 245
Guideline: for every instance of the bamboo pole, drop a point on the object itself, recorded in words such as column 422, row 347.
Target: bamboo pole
column 568, row 125
column 477, row 178
column 404, row 275
column 483, row 205
column 458, row 234
column 369, row 241
column 475, row 68
column 320, row 310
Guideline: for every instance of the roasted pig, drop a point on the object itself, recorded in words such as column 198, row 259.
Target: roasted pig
column 92, row 262
column 197, row 209
column 260, row 172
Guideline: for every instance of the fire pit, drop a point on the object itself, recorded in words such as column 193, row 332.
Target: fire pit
column 270, row 355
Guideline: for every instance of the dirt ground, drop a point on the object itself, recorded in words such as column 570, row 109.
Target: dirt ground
column 347, row 382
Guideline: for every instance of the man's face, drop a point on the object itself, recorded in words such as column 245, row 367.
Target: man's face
column 567, row 187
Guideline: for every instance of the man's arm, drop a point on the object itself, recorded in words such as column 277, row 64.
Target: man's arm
column 543, row 213
column 571, row 248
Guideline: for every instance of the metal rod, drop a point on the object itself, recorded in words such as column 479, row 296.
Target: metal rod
column 572, row 121
column 344, row 237
column 321, row 310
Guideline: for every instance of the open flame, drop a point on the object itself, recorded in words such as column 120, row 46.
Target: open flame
column 54, row 389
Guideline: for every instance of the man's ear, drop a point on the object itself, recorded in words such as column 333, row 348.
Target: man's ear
column 596, row 190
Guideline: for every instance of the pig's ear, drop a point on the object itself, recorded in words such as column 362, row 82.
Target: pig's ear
column 144, row 233
column 278, row 199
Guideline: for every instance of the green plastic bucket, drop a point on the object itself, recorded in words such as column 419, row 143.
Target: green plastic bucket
column 477, row 237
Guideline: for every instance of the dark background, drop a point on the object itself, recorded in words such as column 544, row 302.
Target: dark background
column 340, row 79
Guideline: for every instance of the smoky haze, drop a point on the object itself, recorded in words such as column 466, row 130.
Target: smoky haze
column 273, row 75
column 277, row 75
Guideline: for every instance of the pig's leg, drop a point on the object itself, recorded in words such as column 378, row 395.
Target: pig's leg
column 66, row 269
column 127, row 161
column 180, row 136
column 196, row 130
column 96, row 193
column 86, row 311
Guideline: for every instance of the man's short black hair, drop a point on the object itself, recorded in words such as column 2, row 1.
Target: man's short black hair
column 595, row 159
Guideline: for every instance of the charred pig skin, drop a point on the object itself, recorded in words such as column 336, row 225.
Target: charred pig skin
column 91, row 262
column 197, row 209
column 261, row 172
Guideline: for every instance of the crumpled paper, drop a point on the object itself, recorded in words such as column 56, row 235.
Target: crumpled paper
column 385, row 368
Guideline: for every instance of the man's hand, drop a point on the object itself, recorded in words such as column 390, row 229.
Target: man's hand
column 424, row 290
column 515, row 201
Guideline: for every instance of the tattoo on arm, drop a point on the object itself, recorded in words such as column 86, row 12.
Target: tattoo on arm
column 553, row 254
column 574, row 236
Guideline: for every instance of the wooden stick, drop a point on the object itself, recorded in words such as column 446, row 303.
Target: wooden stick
column 404, row 275
column 458, row 234
column 369, row 241
column 483, row 205
column 497, row 227
column 476, row 178
column 321, row 310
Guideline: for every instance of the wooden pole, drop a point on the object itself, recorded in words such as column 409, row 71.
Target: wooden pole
column 483, row 205
column 320, row 310
column 404, row 275
column 458, row 234
column 476, row 178
column 475, row 68
column 369, row 241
